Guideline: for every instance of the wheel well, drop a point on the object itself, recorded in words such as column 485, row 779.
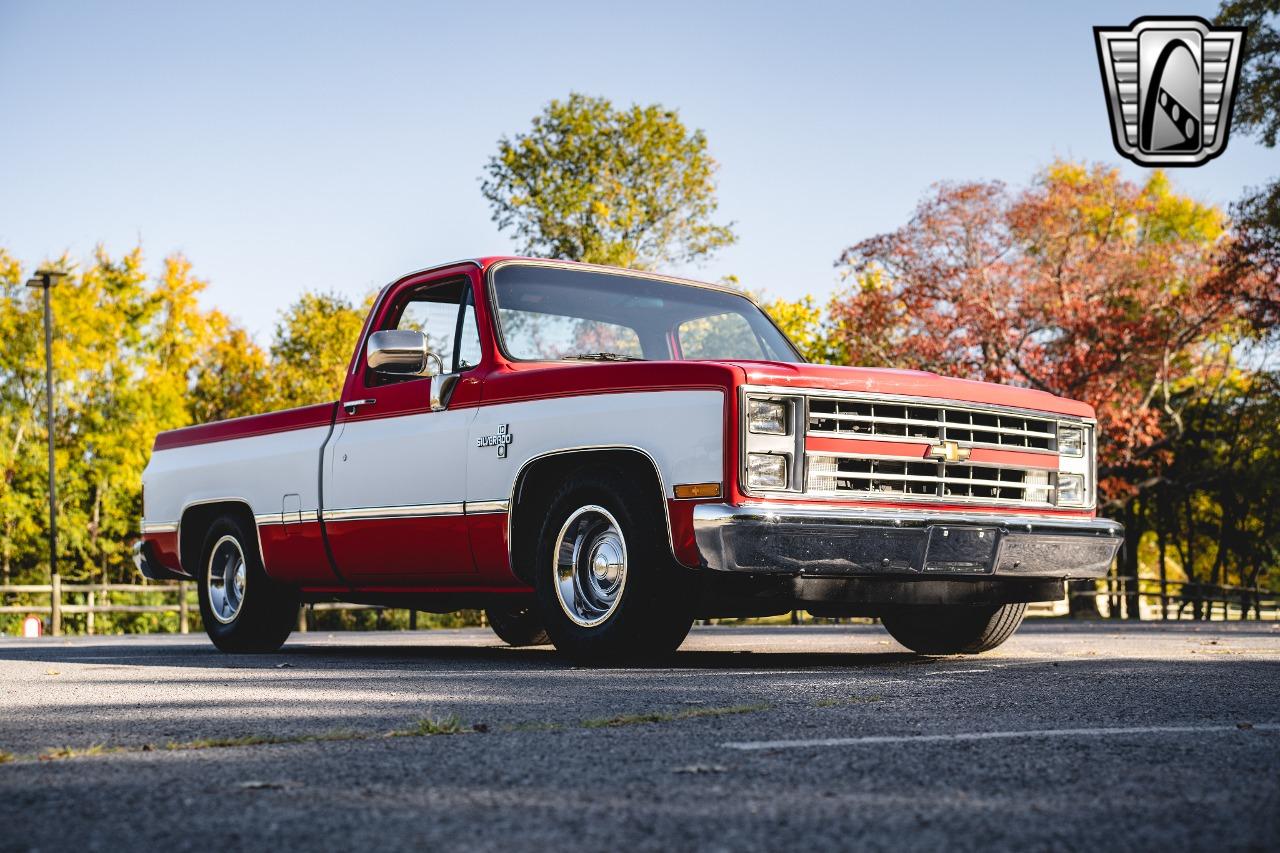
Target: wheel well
column 539, row 479
column 195, row 523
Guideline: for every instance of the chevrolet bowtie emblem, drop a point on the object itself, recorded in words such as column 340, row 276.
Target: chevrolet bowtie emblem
column 949, row 451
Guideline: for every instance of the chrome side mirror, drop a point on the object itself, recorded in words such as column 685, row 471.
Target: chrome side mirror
column 401, row 352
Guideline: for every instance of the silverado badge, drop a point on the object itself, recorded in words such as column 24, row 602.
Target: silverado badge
column 499, row 440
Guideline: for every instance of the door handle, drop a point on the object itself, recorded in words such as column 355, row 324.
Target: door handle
column 352, row 405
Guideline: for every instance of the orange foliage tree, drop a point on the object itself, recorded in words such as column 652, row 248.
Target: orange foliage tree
column 1084, row 284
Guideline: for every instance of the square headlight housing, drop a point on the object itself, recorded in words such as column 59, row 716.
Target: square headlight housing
column 767, row 417
column 1071, row 490
column 1071, row 440
column 766, row 471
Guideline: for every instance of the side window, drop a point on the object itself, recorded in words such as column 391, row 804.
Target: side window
column 445, row 314
column 720, row 336
column 469, row 340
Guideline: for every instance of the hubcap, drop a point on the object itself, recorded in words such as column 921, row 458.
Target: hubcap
column 227, row 579
column 590, row 565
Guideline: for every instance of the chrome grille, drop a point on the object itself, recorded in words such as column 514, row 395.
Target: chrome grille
column 870, row 475
column 971, row 427
column 856, row 476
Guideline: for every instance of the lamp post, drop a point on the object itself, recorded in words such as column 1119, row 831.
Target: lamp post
column 46, row 279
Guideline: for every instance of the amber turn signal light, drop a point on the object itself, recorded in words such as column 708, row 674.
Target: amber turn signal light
column 698, row 490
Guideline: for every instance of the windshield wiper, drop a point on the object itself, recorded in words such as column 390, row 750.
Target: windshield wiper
column 600, row 356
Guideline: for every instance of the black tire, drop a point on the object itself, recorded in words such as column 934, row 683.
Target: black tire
column 517, row 626
column 954, row 630
column 267, row 611
column 654, row 607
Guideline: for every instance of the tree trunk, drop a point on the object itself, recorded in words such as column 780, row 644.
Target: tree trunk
column 1162, row 546
column 1132, row 538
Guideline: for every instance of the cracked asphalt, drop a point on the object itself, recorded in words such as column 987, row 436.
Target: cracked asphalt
column 1070, row 736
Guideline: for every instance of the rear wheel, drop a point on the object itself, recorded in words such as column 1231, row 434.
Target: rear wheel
column 954, row 629
column 243, row 609
column 607, row 588
column 517, row 626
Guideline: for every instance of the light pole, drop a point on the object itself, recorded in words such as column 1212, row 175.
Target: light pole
column 46, row 279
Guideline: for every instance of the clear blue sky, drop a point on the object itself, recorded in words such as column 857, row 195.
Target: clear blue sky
column 284, row 146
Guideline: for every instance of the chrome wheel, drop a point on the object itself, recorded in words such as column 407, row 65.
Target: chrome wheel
column 590, row 561
column 226, row 579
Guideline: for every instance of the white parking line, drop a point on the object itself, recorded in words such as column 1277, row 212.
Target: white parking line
column 1111, row 731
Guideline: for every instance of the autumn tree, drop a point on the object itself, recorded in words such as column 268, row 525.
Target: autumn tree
column 588, row 182
column 1084, row 285
column 1255, row 253
column 312, row 348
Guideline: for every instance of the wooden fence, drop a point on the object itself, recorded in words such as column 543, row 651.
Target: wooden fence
column 1157, row 600
column 97, row 598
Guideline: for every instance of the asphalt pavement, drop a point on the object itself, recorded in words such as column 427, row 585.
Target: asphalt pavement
column 1069, row 737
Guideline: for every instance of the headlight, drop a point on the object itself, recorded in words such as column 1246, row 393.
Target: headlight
column 1071, row 490
column 767, row 417
column 1070, row 441
column 766, row 471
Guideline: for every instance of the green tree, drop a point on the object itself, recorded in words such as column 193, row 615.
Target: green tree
column 588, row 182
column 806, row 324
column 1257, row 108
column 312, row 348
column 1256, row 249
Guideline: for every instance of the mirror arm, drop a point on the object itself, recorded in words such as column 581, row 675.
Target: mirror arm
column 427, row 360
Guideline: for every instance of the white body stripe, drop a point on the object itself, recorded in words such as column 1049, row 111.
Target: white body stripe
column 259, row 470
column 683, row 431
column 400, row 461
column 437, row 459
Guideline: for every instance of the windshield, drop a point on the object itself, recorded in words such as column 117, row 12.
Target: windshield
column 550, row 314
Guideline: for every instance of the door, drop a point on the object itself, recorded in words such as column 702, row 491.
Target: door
column 395, row 472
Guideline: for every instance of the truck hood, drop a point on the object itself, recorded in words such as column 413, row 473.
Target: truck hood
column 907, row 383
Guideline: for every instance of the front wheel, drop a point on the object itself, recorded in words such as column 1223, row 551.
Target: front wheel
column 242, row 608
column 607, row 589
column 954, row 629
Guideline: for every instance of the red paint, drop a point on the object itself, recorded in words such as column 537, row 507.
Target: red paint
column 164, row 547
column 909, row 383
column 294, row 553
column 920, row 450
column 519, row 381
column 272, row 422
column 683, row 544
column 487, row 533
column 390, row 549
column 417, row 589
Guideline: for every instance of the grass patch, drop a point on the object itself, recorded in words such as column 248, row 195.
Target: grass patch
column 847, row 700
column 430, row 726
column 224, row 742
column 79, row 752
column 6, row 757
column 668, row 717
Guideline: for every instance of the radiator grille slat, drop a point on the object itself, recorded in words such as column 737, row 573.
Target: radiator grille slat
column 865, row 418
column 835, row 474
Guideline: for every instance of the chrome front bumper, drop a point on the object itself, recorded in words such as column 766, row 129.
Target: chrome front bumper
column 844, row 542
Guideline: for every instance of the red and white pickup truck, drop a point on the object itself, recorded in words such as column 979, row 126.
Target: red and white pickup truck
column 597, row 457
